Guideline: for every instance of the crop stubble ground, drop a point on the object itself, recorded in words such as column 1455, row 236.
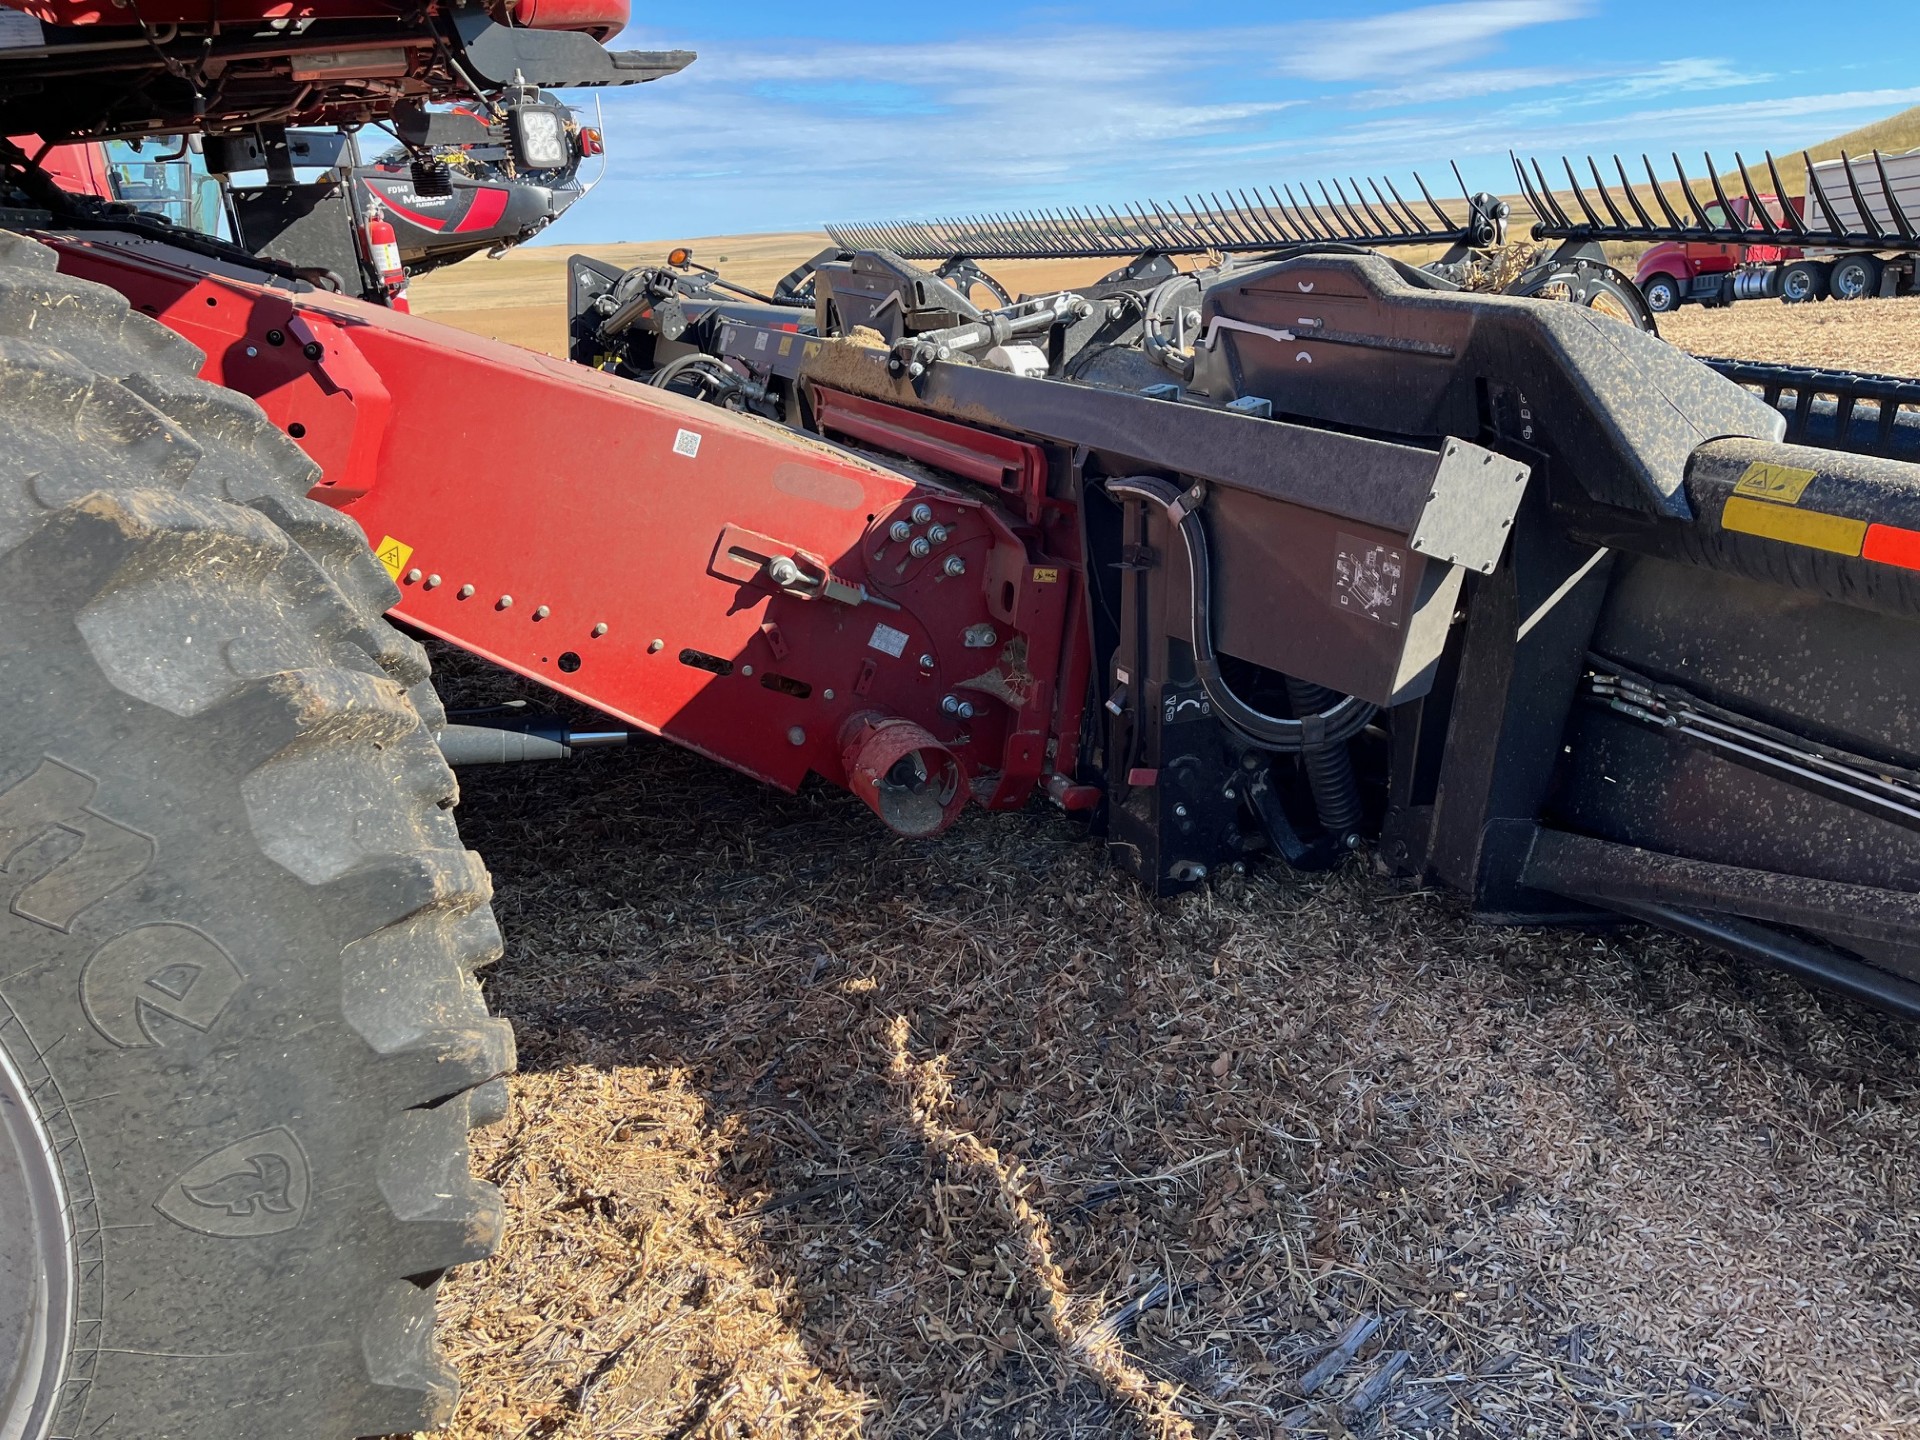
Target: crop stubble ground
column 822, row 1132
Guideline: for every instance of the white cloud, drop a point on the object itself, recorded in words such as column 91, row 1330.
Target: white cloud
column 785, row 135
column 1468, row 85
column 1413, row 41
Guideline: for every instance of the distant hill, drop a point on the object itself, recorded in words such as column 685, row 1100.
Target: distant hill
column 1890, row 137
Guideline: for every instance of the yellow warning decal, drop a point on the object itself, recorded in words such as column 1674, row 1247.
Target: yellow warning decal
column 1044, row 576
column 786, row 344
column 1782, row 484
column 810, row 349
column 1796, row 527
column 393, row 556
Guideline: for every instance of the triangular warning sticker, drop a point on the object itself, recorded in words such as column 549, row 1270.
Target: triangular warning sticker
column 393, row 556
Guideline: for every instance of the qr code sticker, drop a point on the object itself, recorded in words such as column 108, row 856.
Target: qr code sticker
column 687, row 443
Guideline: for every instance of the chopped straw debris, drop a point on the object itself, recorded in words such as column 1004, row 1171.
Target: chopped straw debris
column 822, row 1132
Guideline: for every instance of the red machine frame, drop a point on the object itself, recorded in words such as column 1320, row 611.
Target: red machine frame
column 704, row 576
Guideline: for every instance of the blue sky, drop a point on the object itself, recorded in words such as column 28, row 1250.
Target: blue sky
column 800, row 113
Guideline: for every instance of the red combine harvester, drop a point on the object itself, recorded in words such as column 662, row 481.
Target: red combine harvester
column 1281, row 551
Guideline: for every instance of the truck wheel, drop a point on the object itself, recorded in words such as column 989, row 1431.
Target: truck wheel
column 240, row 1037
column 1662, row 292
column 1854, row 277
column 1803, row 281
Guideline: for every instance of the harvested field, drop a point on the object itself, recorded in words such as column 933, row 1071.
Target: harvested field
column 820, row 1132
column 823, row 1132
column 1881, row 336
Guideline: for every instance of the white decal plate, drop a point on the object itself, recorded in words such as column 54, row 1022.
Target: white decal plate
column 887, row 640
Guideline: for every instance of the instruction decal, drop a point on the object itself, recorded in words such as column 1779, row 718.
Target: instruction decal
column 393, row 556
column 887, row 640
column 1367, row 578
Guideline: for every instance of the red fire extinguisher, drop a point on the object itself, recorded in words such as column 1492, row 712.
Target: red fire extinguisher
column 383, row 249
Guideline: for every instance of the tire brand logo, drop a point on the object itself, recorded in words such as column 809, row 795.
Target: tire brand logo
column 255, row 1186
column 152, row 970
column 70, row 855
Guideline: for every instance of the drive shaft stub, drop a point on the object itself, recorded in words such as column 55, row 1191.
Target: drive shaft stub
column 906, row 777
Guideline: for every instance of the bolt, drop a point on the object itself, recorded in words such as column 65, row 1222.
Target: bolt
column 541, row 613
column 922, row 513
column 920, row 547
column 466, row 592
column 900, row 530
column 926, row 662
column 599, row 629
column 654, row 647
column 433, row 582
column 955, row 565
column 505, row 602
column 252, row 353
column 937, row 534
column 950, row 704
column 313, row 350
column 746, row 670
column 783, row 571
column 826, row 694
column 1180, row 811
column 413, row 576
column 275, row 337
column 796, row 736
column 966, row 710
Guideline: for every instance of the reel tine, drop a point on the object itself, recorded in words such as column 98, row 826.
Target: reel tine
column 1819, row 193
column 1660, row 194
column 1755, row 209
column 1720, row 194
column 1606, row 199
column 1894, row 207
column 1795, row 220
column 1693, row 200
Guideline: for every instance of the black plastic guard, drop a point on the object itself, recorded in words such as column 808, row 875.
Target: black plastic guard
column 1346, row 340
column 503, row 55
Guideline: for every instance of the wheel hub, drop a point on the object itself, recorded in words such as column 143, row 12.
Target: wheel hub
column 36, row 1276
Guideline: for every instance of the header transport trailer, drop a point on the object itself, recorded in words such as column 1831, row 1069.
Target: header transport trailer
column 1295, row 552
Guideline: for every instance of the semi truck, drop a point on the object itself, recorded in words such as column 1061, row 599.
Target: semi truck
column 1852, row 233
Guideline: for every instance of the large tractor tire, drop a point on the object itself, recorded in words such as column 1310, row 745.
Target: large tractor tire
column 241, row 1041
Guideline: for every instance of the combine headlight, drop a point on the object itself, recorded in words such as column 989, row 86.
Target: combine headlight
column 539, row 137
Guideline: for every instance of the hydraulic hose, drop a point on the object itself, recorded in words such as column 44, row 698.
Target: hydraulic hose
column 1157, row 348
column 1334, row 726
column 719, row 375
